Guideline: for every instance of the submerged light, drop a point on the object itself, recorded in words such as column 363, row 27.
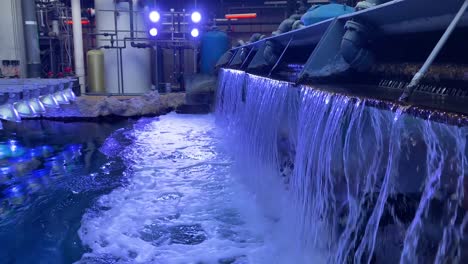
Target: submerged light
column 61, row 98
column 15, row 195
column 34, row 102
column 69, row 94
column 7, row 110
column 49, row 101
column 25, row 109
column 47, row 97
column 9, row 113
column 37, row 105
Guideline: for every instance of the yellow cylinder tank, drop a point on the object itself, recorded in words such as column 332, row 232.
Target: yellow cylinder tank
column 96, row 73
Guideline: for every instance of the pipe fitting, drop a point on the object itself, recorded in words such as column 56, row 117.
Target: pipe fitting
column 297, row 25
column 243, row 54
column 224, row 60
column 271, row 52
column 355, row 46
column 285, row 26
column 256, row 37
column 369, row 3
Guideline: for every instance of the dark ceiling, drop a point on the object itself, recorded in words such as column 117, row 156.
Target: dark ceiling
column 217, row 8
column 212, row 6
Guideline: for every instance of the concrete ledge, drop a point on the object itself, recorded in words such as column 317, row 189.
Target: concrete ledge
column 96, row 108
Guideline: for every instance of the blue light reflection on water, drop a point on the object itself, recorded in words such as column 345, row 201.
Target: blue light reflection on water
column 50, row 172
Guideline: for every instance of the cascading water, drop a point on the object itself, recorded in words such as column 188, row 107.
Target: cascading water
column 351, row 182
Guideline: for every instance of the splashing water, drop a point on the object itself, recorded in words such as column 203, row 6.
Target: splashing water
column 355, row 184
column 180, row 205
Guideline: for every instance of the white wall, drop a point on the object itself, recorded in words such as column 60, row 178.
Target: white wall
column 136, row 62
column 11, row 30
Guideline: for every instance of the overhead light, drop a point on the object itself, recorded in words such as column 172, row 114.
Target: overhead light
column 196, row 17
column 241, row 16
column 154, row 16
column 195, row 33
column 153, row 32
column 83, row 22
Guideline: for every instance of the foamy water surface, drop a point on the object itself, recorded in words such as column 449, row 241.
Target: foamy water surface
column 181, row 204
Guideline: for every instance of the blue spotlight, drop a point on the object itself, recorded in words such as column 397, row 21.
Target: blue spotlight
column 153, row 32
column 195, row 33
column 154, row 16
column 196, row 17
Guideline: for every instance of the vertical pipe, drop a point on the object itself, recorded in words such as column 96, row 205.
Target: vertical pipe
column 121, row 70
column 78, row 44
column 31, row 38
column 18, row 29
column 181, row 69
column 51, row 56
column 130, row 11
column 117, row 52
column 195, row 56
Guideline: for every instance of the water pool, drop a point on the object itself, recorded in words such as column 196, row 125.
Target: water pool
column 156, row 190
column 50, row 173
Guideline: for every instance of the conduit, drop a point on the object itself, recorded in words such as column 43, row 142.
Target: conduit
column 78, row 44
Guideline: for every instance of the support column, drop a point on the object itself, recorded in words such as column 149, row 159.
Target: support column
column 78, row 44
column 31, row 38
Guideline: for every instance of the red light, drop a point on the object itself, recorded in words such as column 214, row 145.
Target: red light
column 83, row 22
column 241, row 16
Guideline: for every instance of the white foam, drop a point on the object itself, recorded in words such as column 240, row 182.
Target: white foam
column 178, row 176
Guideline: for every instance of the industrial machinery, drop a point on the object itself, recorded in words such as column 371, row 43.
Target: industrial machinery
column 145, row 47
column 55, row 37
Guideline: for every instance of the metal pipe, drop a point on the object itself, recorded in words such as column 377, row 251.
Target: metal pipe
column 78, row 44
column 18, row 30
column 420, row 74
column 119, row 85
column 281, row 56
column 130, row 8
column 246, row 58
column 121, row 69
column 132, row 32
column 31, row 38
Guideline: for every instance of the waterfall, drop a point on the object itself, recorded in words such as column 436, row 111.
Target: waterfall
column 357, row 183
